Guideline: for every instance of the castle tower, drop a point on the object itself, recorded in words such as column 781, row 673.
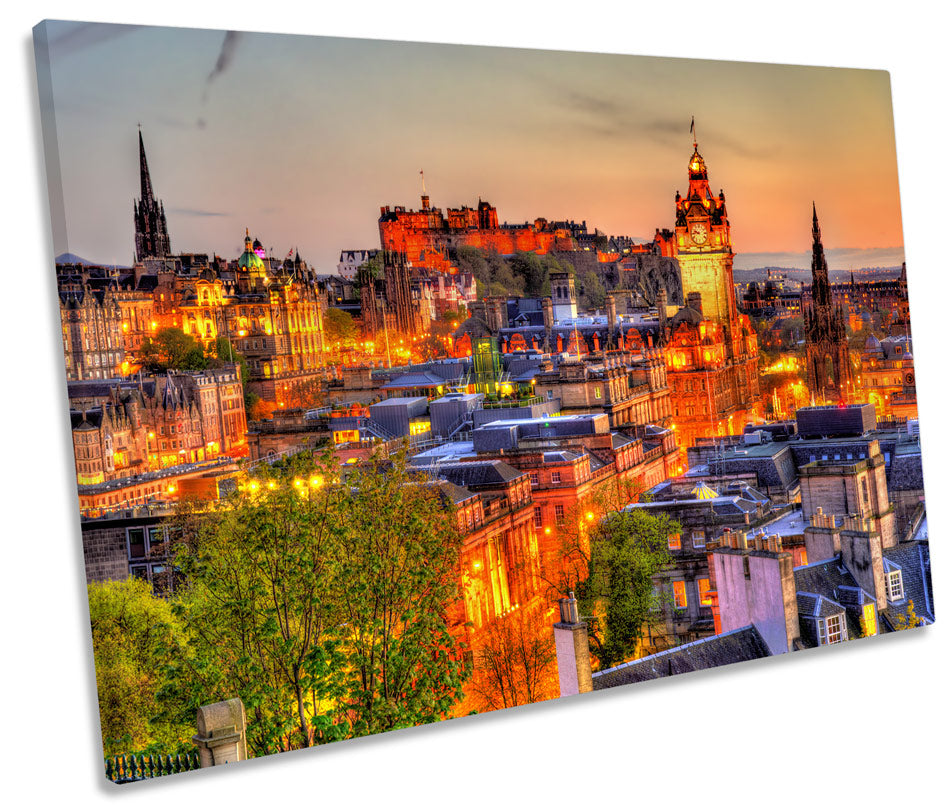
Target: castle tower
column 826, row 340
column 151, row 230
column 703, row 245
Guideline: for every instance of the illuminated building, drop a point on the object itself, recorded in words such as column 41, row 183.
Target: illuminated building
column 827, row 360
column 887, row 376
column 91, row 318
column 711, row 349
column 123, row 427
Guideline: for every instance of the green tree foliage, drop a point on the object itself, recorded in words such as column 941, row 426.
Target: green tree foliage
column 493, row 275
column 592, row 293
column 396, row 577
column 627, row 549
column 339, row 327
column 172, row 348
column 257, row 609
column 368, row 272
column 131, row 630
column 322, row 605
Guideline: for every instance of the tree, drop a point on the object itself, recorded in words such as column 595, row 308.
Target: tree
column 322, row 604
column 515, row 664
column 259, row 573
column 395, row 579
column 172, row 348
column 593, row 293
column 339, row 326
column 907, row 620
column 627, row 549
column 368, row 272
column 130, row 630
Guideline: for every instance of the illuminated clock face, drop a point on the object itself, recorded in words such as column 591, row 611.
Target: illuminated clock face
column 698, row 232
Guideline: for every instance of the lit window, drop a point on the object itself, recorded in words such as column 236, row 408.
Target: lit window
column 679, row 594
column 895, row 586
column 833, row 629
column 705, row 599
column 673, row 541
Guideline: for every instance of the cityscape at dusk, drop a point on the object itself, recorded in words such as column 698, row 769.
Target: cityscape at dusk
column 467, row 378
column 302, row 137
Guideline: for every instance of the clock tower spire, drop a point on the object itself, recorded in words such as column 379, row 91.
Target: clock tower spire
column 703, row 243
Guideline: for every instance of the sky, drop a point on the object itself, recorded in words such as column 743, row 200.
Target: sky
column 302, row 139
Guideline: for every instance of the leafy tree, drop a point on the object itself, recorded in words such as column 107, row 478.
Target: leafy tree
column 172, row 348
column 322, row 604
column 395, row 579
column 627, row 549
column 593, row 295
column 532, row 270
column 368, row 272
column 339, row 326
column 259, row 572
column 908, row 619
column 515, row 664
column 130, row 630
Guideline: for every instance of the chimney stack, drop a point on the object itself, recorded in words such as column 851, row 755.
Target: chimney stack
column 573, row 653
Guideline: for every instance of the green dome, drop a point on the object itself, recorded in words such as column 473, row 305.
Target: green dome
column 251, row 262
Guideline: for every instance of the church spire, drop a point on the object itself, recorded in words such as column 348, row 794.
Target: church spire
column 144, row 178
column 151, row 228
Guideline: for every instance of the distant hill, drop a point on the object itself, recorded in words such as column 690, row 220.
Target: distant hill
column 75, row 259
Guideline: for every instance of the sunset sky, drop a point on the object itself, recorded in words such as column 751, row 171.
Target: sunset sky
column 302, row 139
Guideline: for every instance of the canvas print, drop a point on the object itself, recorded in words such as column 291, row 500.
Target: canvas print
column 411, row 381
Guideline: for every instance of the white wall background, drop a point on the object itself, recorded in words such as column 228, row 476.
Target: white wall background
column 868, row 723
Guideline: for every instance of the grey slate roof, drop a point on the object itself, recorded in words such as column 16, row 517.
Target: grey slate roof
column 476, row 474
column 722, row 649
column 913, row 558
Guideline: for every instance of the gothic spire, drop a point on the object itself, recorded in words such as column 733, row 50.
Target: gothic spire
column 144, row 178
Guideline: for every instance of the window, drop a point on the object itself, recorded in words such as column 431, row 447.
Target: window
column 699, row 539
column 538, row 517
column 559, row 514
column 833, row 627
column 597, row 393
column 679, row 594
column 137, row 543
column 673, row 541
column 555, row 477
column 895, row 586
column 535, row 481
column 702, row 585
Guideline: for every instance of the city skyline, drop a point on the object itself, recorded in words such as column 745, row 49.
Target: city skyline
column 596, row 137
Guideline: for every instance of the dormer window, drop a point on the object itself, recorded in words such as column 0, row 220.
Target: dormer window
column 895, row 585
column 831, row 629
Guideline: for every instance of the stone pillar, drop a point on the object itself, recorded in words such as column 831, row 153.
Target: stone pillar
column 573, row 654
column 221, row 736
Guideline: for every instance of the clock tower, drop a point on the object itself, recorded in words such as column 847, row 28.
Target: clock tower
column 703, row 245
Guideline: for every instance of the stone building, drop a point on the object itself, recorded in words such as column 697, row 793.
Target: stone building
column 91, row 318
column 711, row 349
